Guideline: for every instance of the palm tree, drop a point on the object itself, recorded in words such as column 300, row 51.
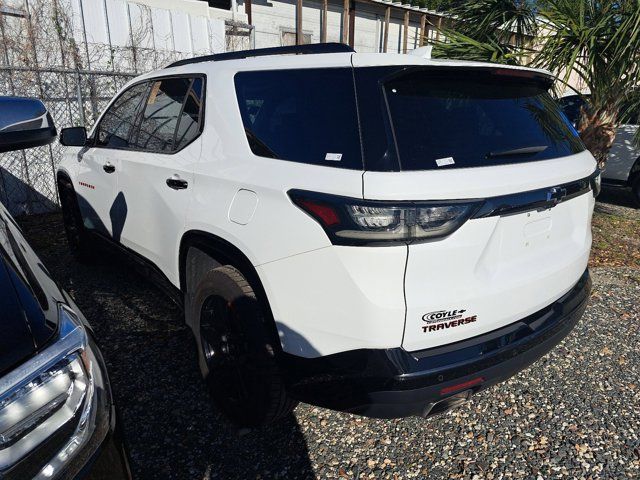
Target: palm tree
column 597, row 41
column 488, row 30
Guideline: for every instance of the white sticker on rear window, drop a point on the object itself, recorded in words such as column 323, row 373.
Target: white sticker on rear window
column 441, row 162
column 334, row 157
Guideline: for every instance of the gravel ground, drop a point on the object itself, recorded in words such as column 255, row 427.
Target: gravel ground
column 573, row 414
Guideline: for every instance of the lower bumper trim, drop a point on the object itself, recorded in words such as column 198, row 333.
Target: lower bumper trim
column 394, row 383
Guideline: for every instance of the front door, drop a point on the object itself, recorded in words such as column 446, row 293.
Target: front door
column 98, row 164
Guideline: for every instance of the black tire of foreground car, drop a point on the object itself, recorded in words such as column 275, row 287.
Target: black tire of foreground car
column 236, row 356
column 77, row 236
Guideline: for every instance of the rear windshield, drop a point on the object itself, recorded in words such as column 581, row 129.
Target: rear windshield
column 446, row 118
column 441, row 121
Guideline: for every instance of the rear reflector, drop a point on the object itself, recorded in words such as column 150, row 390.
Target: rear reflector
column 326, row 214
column 462, row 386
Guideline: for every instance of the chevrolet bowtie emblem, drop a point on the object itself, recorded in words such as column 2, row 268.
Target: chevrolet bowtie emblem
column 556, row 194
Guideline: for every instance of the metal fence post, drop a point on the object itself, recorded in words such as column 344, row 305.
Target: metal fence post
column 79, row 99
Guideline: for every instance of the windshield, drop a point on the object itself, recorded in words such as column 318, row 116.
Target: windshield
column 455, row 118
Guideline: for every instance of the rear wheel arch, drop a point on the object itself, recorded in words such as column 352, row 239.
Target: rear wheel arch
column 222, row 252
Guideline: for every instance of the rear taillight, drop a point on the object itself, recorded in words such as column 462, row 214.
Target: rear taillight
column 351, row 221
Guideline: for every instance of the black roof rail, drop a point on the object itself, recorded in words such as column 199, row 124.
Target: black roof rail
column 309, row 49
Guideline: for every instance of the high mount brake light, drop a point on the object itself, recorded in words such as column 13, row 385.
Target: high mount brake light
column 351, row 221
column 546, row 80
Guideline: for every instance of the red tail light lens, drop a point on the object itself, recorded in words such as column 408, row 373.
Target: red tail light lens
column 351, row 221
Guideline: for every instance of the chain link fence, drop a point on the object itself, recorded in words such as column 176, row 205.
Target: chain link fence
column 47, row 51
column 73, row 97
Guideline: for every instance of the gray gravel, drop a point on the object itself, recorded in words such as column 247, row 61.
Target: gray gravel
column 573, row 414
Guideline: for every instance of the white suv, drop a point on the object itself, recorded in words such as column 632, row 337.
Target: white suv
column 380, row 234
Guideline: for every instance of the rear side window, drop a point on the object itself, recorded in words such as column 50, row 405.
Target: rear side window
column 118, row 121
column 162, row 113
column 456, row 118
column 307, row 116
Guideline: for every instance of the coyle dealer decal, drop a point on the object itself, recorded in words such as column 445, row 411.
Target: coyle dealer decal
column 444, row 319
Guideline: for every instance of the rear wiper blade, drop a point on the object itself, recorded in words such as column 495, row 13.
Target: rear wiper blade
column 260, row 148
column 518, row 151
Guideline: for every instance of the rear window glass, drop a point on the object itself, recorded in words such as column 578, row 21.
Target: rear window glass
column 162, row 110
column 446, row 119
column 307, row 116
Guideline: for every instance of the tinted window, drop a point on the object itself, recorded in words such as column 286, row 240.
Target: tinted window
column 306, row 116
column 160, row 115
column 454, row 119
column 189, row 123
column 571, row 105
column 377, row 138
column 117, row 123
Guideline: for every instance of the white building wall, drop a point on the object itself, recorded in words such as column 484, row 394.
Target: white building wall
column 191, row 27
column 160, row 28
column 273, row 18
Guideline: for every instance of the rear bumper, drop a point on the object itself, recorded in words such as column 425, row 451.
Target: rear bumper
column 393, row 383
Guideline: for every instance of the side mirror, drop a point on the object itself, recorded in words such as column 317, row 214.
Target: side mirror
column 73, row 137
column 24, row 123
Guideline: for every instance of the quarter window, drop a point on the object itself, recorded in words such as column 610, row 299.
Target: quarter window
column 306, row 116
column 189, row 123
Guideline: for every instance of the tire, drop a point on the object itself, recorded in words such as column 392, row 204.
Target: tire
column 635, row 190
column 236, row 354
column 77, row 236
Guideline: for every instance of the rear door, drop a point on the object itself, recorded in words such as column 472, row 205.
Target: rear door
column 496, row 138
column 155, row 179
column 97, row 175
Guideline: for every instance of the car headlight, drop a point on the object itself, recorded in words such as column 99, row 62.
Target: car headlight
column 47, row 405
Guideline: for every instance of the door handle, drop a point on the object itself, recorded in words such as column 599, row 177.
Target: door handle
column 107, row 167
column 177, row 183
